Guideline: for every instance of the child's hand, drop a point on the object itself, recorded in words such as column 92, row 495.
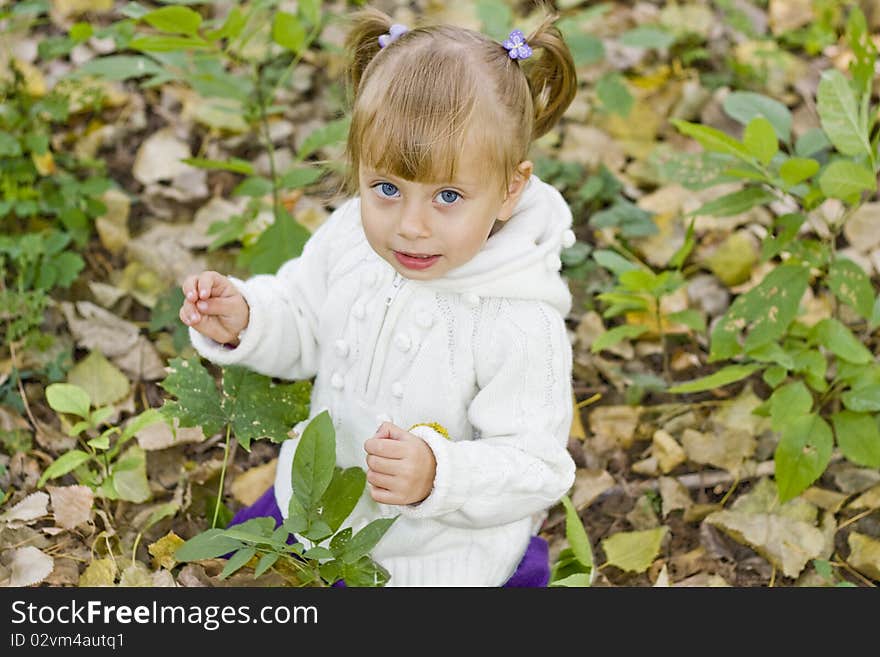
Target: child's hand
column 400, row 466
column 214, row 307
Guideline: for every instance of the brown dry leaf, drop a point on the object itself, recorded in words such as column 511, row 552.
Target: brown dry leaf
column 33, row 507
column 71, row 505
column 787, row 15
column 674, row 495
column 615, row 424
column 142, row 362
column 662, row 580
column 726, row 449
column 161, row 249
column 667, row 451
column 588, row 486
column 26, row 566
column 163, row 550
column 648, row 467
column 870, row 499
column 98, row 377
column 591, row 147
column 253, row 482
column 66, row 8
column 577, row 430
column 160, row 435
column 94, row 327
column 589, row 328
column 101, row 572
column 862, row 229
column 159, row 157
column 643, row 516
column 702, row 580
column 825, row 499
column 851, row 478
column 864, row 554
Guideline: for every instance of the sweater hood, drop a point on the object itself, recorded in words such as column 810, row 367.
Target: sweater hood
column 521, row 260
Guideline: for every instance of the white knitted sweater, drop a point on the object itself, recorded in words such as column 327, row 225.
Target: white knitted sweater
column 483, row 351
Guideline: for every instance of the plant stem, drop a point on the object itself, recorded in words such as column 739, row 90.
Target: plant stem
column 662, row 340
column 222, row 476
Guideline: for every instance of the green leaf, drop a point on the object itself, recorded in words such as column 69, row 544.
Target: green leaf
column 614, row 94
column 764, row 312
column 366, row 539
column 837, row 338
column 771, row 352
column 266, row 562
column 233, row 25
column 342, row 495
column 647, row 36
column 102, row 380
column 744, row 106
column 864, row 398
column 68, row 398
column 851, row 284
column 788, row 402
column 576, row 535
column 253, row 186
column 234, row 164
column 839, row 115
column 858, row 437
column 713, row 139
column 175, row 20
column 329, row 134
column 774, row 375
column 237, row 561
column 314, row 461
column 633, row 551
column 613, row 262
column 167, row 43
column 340, row 540
column 802, row 454
column 628, row 217
column 288, row 31
column 256, row 407
column 116, row 68
column 875, row 315
column 586, row 49
column 615, row 335
column 720, row 378
column 576, row 579
column 812, row 364
column 282, row 240
column 130, row 476
column 846, row 180
column 318, row 552
column 760, row 139
column 811, row 142
column 198, row 401
column 207, row 545
column 735, row 202
column 797, row 169
column 297, row 178
column 495, row 16
column 63, row 464
column 311, row 10
column 141, row 421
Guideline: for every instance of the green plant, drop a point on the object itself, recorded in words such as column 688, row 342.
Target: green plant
column 826, row 383
column 574, row 565
column 248, row 404
column 639, row 294
column 238, row 64
column 100, row 464
column 324, row 495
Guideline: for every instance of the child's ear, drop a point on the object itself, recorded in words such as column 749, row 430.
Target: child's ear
column 521, row 176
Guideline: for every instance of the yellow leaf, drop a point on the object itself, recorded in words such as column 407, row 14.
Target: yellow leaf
column 577, row 425
column 44, row 163
column 34, row 82
column 163, row 550
column 101, row 572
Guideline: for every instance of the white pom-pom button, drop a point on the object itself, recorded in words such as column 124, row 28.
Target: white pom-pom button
column 568, row 239
column 402, row 341
column 337, row 381
column 341, row 347
column 553, row 262
column 397, row 389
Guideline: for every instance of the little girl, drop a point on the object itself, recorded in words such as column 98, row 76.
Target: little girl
column 429, row 307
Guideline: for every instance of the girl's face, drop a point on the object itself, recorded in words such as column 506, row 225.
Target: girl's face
column 424, row 230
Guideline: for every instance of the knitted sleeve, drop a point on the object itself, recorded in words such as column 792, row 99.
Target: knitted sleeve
column 518, row 463
column 281, row 336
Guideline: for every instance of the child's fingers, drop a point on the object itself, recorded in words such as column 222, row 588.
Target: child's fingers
column 384, row 447
column 215, row 306
column 380, row 479
column 384, row 464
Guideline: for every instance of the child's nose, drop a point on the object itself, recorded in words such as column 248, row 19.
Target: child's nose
column 413, row 224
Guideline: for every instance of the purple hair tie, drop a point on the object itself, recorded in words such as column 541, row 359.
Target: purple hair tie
column 516, row 45
column 392, row 35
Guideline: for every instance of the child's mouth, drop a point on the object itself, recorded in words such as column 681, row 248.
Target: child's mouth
column 414, row 261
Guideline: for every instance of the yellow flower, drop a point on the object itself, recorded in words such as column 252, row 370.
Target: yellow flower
column 439, row 428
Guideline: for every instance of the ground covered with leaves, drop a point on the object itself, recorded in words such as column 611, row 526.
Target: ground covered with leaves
column 720, row 159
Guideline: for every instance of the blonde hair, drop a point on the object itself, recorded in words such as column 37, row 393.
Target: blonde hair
column 418, row 102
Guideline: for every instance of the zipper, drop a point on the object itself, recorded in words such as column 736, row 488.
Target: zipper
column 396, row 284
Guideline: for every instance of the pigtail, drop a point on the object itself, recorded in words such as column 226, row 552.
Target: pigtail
column 552, row 77
column 362, row 42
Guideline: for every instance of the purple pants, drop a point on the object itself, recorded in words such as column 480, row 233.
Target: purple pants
column 533, row 570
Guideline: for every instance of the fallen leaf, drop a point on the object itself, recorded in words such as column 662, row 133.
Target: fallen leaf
column 643, row 516
column 864, row 554
column 97, row 376
column 160, row 435
column 31, row 508
column 27, row 566
column 674, row 495
column 160, row 157
column 702, row 580
column 633, row 551
column 142, row 362
column 112, row 226
column 825, row 499
column 667, row 451
column 615, row 424
column 71, row 505
column 67, row 8
column 588, row 486
column 862, row 229
column 253, row 482
column 163, row 550
column 136, row 574
column 870, row 499
column 853, row 479
column 662, row 580
column 788, row 15
column 648, row 467
column 101, row 572
column 727, row 449
column 95, row 328
column 734, row 258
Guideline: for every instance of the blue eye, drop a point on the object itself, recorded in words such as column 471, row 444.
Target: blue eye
column 387, row 189
column 449, row 200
